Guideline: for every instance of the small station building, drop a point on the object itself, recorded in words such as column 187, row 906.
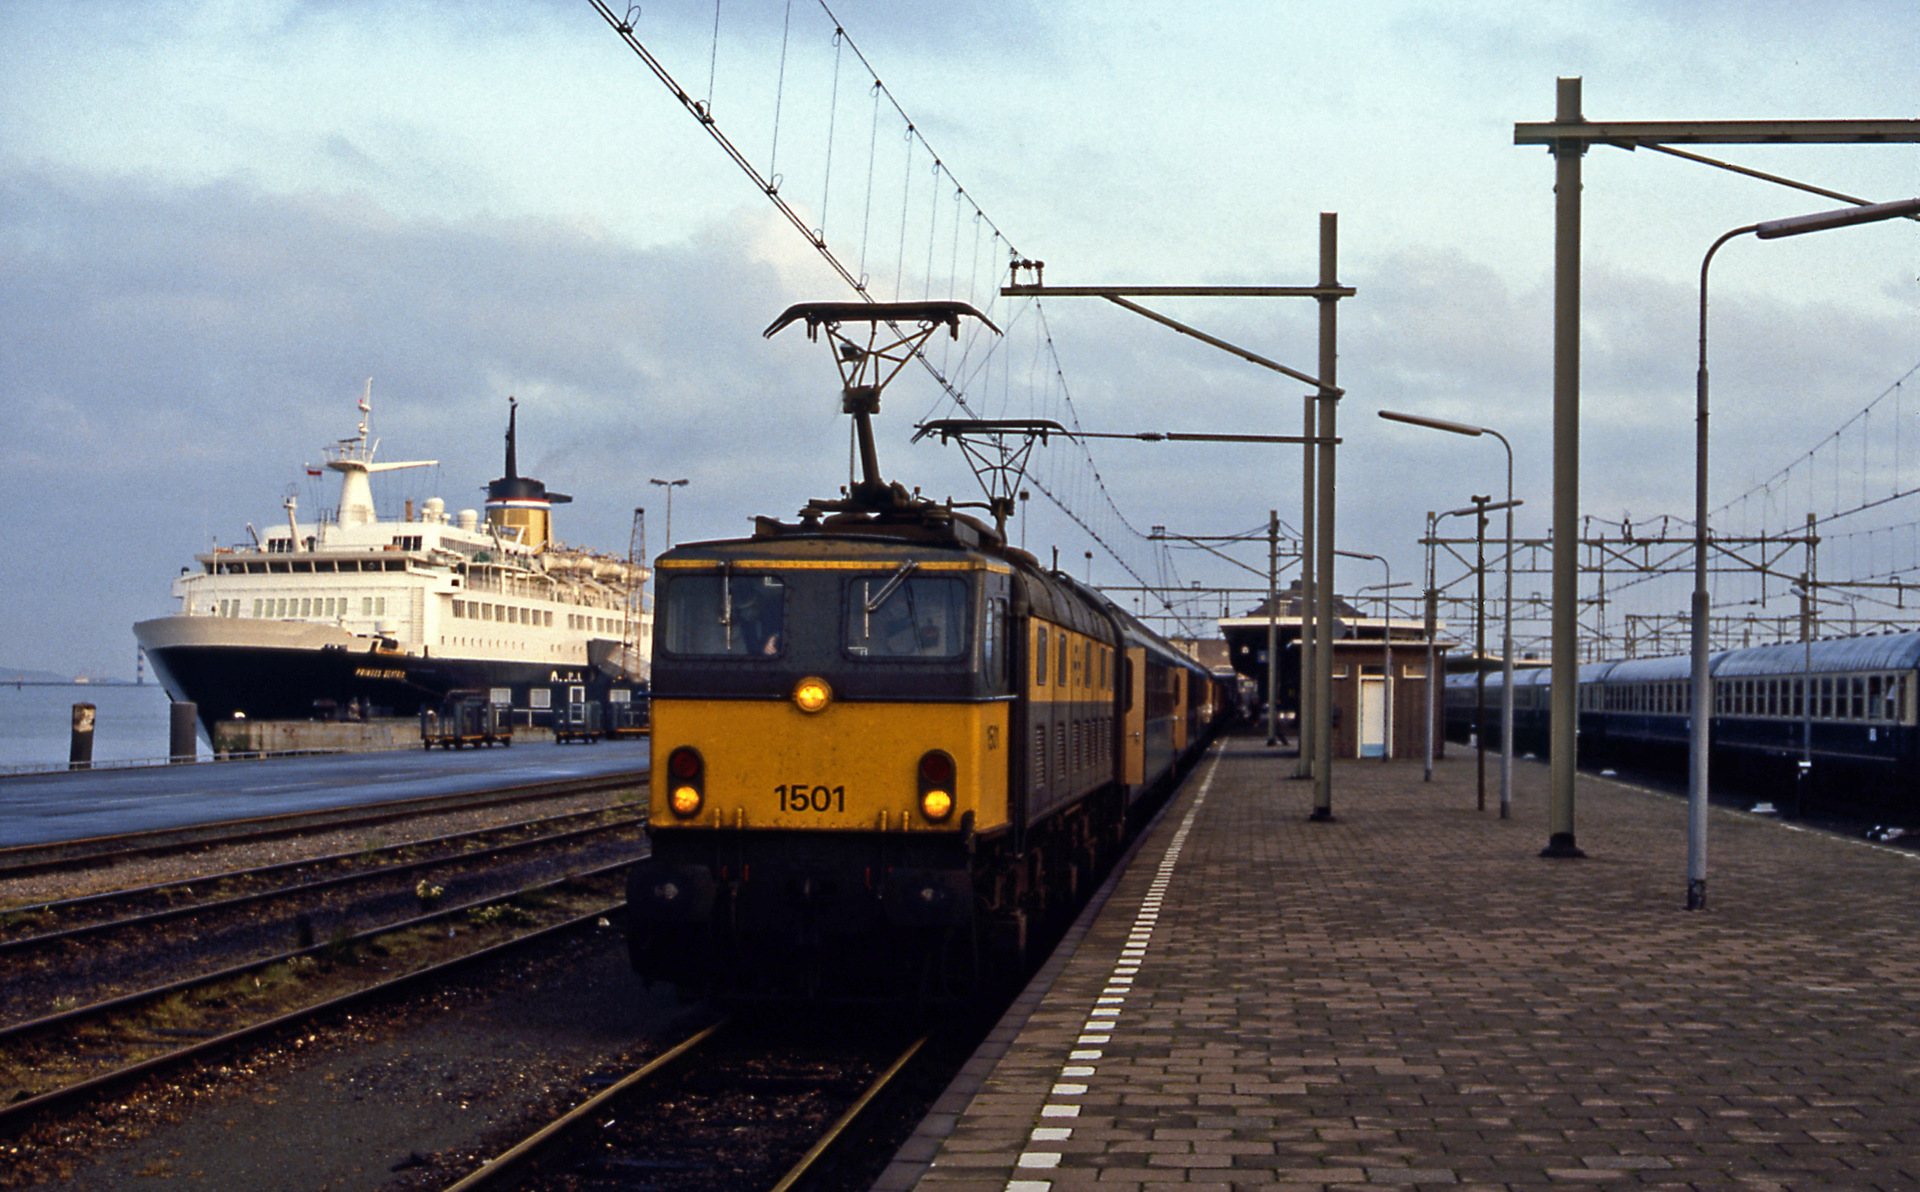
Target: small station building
column 1380, row 674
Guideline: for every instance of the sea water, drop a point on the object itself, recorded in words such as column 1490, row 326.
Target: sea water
column 36, row 723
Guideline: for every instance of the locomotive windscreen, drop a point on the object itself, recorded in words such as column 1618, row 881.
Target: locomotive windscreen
column 722, row 615
column 892, row 617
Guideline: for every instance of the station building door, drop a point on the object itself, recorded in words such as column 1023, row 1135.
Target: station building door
column 1373, row 714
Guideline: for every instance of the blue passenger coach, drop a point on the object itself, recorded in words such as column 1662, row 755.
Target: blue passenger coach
column 1844, row 706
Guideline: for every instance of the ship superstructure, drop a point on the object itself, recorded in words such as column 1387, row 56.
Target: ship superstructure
column 352, row 615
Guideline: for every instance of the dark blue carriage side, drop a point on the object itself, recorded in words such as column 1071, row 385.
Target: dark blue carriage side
column 1643, row 704
column 1846, row 705
column 1849, row 707
column 1592, row 723
column 1532, row 708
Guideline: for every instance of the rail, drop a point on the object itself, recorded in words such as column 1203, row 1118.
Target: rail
column 516, row 1156
column 19, row 1114
column 372, row 873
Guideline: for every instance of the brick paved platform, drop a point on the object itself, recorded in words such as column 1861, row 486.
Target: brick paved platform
column 1410, row 997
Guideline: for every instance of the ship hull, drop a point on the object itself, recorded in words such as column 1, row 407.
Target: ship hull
column 292, row 671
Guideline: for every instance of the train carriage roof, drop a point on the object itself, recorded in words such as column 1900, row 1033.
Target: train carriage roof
column 1841, row 655
column 1534, row 676
column 1666, row 669
column 1878, row 652
column 1134, row 630
column 1058, row 599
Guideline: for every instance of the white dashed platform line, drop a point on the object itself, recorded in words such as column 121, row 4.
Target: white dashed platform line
column 1097, row 1031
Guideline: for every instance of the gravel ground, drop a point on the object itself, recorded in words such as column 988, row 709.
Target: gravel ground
column 194, row 862
column 370, row 1101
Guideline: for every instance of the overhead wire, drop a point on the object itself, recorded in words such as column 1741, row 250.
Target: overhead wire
column 1095, row 511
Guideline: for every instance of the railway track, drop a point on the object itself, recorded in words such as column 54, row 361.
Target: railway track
column 159, row 902
column 711, row 1113
column 61, row 1060
column 25, row 859
column 213, row 930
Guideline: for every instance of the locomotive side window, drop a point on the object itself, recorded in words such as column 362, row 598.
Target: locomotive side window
column 898, row 616
column 1060, row 675
column 1040, row 658
column 994, row 661
column 738, row 615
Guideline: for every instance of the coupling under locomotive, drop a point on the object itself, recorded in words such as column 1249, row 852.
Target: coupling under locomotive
column 884, row 741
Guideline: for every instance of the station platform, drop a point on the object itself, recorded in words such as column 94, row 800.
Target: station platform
column 1411, row 997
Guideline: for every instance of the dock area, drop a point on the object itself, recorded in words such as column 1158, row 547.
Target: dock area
column 1412, row 997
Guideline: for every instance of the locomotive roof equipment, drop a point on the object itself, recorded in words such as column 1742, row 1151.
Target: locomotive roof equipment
column 866, row 369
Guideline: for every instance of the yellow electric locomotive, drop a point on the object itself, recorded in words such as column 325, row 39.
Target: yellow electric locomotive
column 883, row 741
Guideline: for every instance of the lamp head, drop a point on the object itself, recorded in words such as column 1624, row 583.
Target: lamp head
column 1454, row 428
column 1820, row 221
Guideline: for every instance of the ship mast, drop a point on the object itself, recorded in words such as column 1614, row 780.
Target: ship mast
column 353, row 459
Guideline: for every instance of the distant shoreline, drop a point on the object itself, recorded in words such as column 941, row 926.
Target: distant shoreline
column 72, row 683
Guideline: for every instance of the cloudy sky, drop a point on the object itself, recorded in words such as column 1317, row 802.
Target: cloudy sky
column 217, row 220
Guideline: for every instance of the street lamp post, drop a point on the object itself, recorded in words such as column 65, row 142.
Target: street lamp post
column 1700, row 710
column 1432, row 627
column 1273, row 628
column 1480, row 649
column 669, row 485
column 1803, row 773
column 1506, row 635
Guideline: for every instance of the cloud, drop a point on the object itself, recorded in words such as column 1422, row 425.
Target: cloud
column 173, row 355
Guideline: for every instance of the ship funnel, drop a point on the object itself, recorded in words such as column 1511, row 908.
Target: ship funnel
column 519, row 507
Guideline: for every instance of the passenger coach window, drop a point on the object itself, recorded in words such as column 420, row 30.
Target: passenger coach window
column 743, row 615
column 893, row 616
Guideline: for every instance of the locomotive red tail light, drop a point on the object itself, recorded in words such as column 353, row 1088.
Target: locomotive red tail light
column 936, row 768
column 936, row 784
column 686, row 781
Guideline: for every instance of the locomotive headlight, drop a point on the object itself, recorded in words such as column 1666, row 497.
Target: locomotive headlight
column 686, row 781
column 936, row 784
column 812, row 694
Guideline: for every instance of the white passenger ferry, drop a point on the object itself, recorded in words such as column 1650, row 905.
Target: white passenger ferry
column 352, row 616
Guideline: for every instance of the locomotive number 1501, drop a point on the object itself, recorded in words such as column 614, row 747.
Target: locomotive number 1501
column 801, row 797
